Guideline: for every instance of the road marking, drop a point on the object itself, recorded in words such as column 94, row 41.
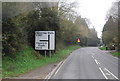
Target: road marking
column 59, row 68
column 103, row 73
column 93, row 57
column 111, row 73
column 52, row 72
column 96, row 62
column 107, row 73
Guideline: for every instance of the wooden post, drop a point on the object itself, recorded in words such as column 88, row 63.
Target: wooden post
column 50, row 53
column 45, row 53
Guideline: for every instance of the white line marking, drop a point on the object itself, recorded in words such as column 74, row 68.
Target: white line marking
column 107, row 73
column 51, row 73
column 103, row 73
column 93, row 57
column 111, row 73
column 59, row 68
column 96, row 61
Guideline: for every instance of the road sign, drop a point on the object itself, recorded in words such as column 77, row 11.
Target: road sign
column 78, row 40
column 44, row 40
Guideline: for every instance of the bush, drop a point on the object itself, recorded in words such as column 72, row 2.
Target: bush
column 11, row 38
column 111, row 47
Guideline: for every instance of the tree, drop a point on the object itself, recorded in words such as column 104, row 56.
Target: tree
column 13, row 22
column 110, row 32
column 67, row 10
column 93, row 40
column 114, row 13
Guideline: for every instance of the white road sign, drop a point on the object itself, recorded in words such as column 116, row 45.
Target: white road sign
column 44, row 40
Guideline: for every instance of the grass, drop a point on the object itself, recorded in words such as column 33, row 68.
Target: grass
column 26, row 61
column 117, row 54
column 102, row 48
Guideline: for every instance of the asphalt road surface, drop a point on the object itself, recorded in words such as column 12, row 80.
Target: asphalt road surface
column 88, row 63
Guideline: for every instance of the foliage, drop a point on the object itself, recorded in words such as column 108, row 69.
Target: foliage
column 11, row 38
column 19, row 28
column 110, row 32
column 87, row 35
column 67, row 10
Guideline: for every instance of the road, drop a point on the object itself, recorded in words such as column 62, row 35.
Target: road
column 88, row 63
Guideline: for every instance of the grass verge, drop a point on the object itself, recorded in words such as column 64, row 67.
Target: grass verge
column 26, row 61
column 117, row 54
column 102, row 48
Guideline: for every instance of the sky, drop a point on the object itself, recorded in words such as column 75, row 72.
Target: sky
column 96, row 11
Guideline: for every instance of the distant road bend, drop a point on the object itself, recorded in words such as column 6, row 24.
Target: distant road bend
column 88, row 63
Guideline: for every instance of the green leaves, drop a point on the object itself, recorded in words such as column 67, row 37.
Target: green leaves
column 11, row 38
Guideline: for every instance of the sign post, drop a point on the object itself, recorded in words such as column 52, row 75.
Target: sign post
column 50, row 53
column 45, row 53
column 45, row 40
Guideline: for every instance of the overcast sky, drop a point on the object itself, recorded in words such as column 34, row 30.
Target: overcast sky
column 96, row 11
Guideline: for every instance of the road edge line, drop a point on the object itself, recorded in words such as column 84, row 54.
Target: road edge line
column 53, row 71
column 59, row 68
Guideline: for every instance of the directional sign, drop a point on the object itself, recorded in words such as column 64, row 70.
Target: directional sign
column 45, row 40
column 78, row 40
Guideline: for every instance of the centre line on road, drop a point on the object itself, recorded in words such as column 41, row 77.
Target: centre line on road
column 93, row 57
column 96, row 62
column 103, row 73
column 111, row 73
